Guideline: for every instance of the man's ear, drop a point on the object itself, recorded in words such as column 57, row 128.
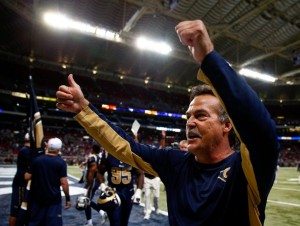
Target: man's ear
column 227, row 126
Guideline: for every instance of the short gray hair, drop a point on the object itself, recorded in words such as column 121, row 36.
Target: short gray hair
column 203, row 90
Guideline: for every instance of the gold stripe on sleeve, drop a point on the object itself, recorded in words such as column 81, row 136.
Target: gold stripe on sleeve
column 253, row 193
column 110, row 140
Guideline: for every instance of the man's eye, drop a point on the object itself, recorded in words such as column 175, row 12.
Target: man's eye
column 200, row 116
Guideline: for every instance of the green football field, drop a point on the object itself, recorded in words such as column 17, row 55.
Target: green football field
column 283, row 208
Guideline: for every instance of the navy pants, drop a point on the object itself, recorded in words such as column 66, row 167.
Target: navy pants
column 45, row 215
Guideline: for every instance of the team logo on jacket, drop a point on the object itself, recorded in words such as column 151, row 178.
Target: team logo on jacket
column 224, row 174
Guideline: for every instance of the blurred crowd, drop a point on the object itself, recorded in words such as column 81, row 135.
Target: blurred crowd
column 78, row 145
column 289, row 155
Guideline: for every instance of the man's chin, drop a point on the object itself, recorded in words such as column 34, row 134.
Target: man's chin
column 191, row 148
column 194, row 145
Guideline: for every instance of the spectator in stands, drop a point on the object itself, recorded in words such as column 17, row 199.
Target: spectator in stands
column 48, row 173
column 20, row 183
column 211, row 184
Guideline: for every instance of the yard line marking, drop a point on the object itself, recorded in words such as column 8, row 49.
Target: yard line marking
column 73, row 190
column 284, row 203
column 1, row 176
column 288, row 182
column 5, row 182
column 73, row 177
column 5, row 191
column 293, row 179
column 287, row 189
column 159, row 211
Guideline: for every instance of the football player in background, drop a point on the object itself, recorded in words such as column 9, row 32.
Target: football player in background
column 120, row 178
column 93, row 181
column 20, row 183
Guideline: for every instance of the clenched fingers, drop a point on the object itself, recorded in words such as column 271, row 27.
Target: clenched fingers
column 64, row 88
column 188, row 31
column 64, row 95
column 65, row 102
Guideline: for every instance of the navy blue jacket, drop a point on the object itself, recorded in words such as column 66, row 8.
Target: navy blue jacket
column 204, row 194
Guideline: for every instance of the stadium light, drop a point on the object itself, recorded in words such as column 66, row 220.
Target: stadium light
column 256, row 75
column 62, row 22
column 288, row 138
column 161, row 128
column 154, row 46
column 289, row 82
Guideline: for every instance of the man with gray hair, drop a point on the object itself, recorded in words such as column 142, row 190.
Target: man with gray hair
column 48, row 173
column 211, row 184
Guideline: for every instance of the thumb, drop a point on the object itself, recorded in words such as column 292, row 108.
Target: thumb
column 71, row 81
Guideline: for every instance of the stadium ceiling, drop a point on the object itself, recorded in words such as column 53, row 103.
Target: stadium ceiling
column 263, row 35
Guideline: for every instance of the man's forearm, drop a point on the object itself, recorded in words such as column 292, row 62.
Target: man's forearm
column 65, row 186
column 140, row 180
column 104, row 133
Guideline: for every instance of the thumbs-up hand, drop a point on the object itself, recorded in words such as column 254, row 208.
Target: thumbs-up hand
column 70, row 98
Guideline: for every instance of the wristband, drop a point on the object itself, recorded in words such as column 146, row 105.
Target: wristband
column 102, row 187
column 68, row 199
column 85, row 192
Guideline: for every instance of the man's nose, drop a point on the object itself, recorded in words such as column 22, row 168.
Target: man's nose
column 190, row 123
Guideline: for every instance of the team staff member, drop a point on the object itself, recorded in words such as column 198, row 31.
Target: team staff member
column 20, row 183
column 152, row 184
column 211, row 184
column 48, row 173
